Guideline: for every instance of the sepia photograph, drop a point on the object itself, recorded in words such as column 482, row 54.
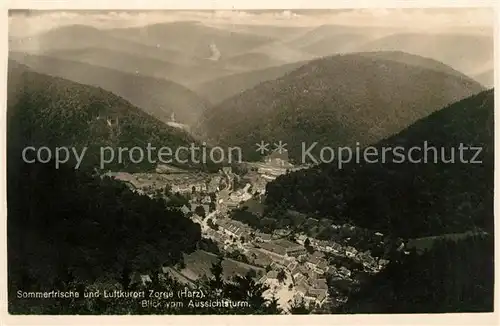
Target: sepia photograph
column 250, row 162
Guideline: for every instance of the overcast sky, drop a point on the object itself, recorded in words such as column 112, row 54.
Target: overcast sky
column 23, row 23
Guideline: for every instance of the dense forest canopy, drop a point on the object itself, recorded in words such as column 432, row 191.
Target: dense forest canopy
column 452, row 277
column 408, row 199
column 335, row 101
column 69, row 221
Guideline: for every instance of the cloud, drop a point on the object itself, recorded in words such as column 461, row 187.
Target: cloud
column 28, row 23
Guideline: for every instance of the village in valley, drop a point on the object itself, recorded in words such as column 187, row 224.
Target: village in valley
column 295, row 266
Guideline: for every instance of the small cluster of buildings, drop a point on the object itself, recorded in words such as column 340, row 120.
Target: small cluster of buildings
column 234, row 228
column 217, row 237
column 313, row 291
column 228, row 234
column 234, row 199
column 213, row 183
column 148, row 183
column 179, row 181
column 365, row 258
column 342, row 272
column 282, row 247
column 307, row 271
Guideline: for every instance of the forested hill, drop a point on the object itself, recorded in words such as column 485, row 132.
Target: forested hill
column 51, row 111
column 74, row 230
column 67, row 226
column 156, row 96
column 336, row 101
column 408, row 199
column 452, row 277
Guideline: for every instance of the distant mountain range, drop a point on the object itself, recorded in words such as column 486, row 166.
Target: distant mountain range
column 466, row 53
column 183, row 52
column 327, row 40
column 51, row 111
column 268, row 30
column 409, row 199
column 415, row 60
column 222, row 88
column 184, row 74
column 252, row 60
column 158, row 97
column 336, row 101
column 81, row 37
column 334, row 44
column 219, row 89
column 192, row 39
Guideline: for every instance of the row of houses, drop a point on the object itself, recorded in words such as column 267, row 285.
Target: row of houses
column 341, row 272
column 145, row 183
column 310, row 286
column 288, row 254
column 317, row 264
column 326, row 246
column 214, row 183
column 220, row 238
column 283, row 247
column 313, row 292
column 307, row 270
column 271, row 276
column 365, row 258
column 234, row 228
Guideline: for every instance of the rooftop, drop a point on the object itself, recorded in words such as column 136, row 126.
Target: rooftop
column 291, row 266
column 302, row 287
column 287, row 243
column 299, row 278
column 323, row 264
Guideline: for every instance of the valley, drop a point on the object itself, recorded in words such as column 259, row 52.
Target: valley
column 294, row 265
